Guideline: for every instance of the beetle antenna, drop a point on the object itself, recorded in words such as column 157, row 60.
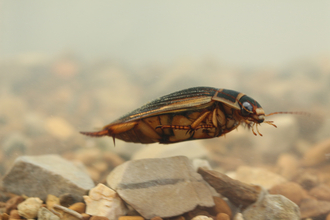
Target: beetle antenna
column 296, row 113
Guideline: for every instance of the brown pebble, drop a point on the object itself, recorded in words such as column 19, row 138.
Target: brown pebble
column 221, row 206
column 85, row 216
column 12, row 203
column 51, row 201
column 95, row 217
column 222, row 216
column 79, row 207
column 130, row 218
column 14, row 214
column 67, row 199
column 290, row 190
column 312, row 208
column 321, row 192
column 308, row 179
column 4, row 216
column 328, row 217
column 157, row 218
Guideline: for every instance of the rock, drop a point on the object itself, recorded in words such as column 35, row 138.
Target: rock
column 98, row 218
column 221, row 207
column 51, row 201
column 258, row 176
column 134, row 218
column 79, row 207
column 222, row 216
column 4, row 216
column 103, row 201
column 45, row 214
column 66, row 213
column 155, row 218
column 317, row 154
column 238, row 216
column 312, row 208
column 189, row 149
column 272, row 207
column 85, row 216
column 197, row 163
column 308, row 179
column 12, row 203
column 321, row 192
column 290, row 190
column 14, row 215
column 42, row 175
column 201, row 217
column 59, row 128
column 163, row 187
column 287, row 165
column 239, row 193
column 68, row 199
column 29, row 208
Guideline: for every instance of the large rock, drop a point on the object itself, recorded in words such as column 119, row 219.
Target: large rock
column 38, row 176
column 272, row 207
column 160, row 187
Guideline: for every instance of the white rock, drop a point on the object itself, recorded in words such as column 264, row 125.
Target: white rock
column 272, row 207
column 103, row 201
column 29, row 208
column 201, row 217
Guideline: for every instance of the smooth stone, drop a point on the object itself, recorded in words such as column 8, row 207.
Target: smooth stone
column 290, row 190
column 48, row 174
column 272, row 207
column 149, row 185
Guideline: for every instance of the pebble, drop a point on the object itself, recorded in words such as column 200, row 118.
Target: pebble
column 14, row 215
column 222, row 216
column 290, row 190
column 29, row 208
column 68, row 199
column 12, row 203
column 103, row 201
column 51, row 201
column 38, row 172
column 321, row 192
column 79, row 207
column 312, row 208
column 221, row 206
column 272, row 207
column 155, row 218
column 202, row 217
column 317, row 154
column 98, row 218
column 144, row 183
column 258, row 176
column 45, row 214
column 135, row 218
column 308, row 179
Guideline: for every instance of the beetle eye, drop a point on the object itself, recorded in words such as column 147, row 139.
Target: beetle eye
column 247, row 108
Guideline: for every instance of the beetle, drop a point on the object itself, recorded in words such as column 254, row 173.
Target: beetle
column 189, row 114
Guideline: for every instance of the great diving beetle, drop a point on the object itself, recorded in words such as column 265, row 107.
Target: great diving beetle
column 189, row 114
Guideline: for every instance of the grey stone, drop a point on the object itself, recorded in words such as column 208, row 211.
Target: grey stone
column 45, row 214
column 38, row 176
column 272, row 207
column 163, row 187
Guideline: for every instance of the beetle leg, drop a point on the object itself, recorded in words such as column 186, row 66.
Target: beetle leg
column 270, row 123
column 201, row 118
column 258, row 130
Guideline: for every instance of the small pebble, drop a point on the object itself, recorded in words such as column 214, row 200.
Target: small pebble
column 45, row 214
column 14, row 214
column 308, row 179
column 29, row 208
column 51, row 201
column 79, row 207
column 202, row 217
column 98, row 218
column 290, row 190
column 67, row 199
column 12, row 203
column 321, row 192
column 222, row 216
column 157, row 218
column 221, row 206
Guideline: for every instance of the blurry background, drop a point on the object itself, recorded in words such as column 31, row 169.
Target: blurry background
column 72, row 66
